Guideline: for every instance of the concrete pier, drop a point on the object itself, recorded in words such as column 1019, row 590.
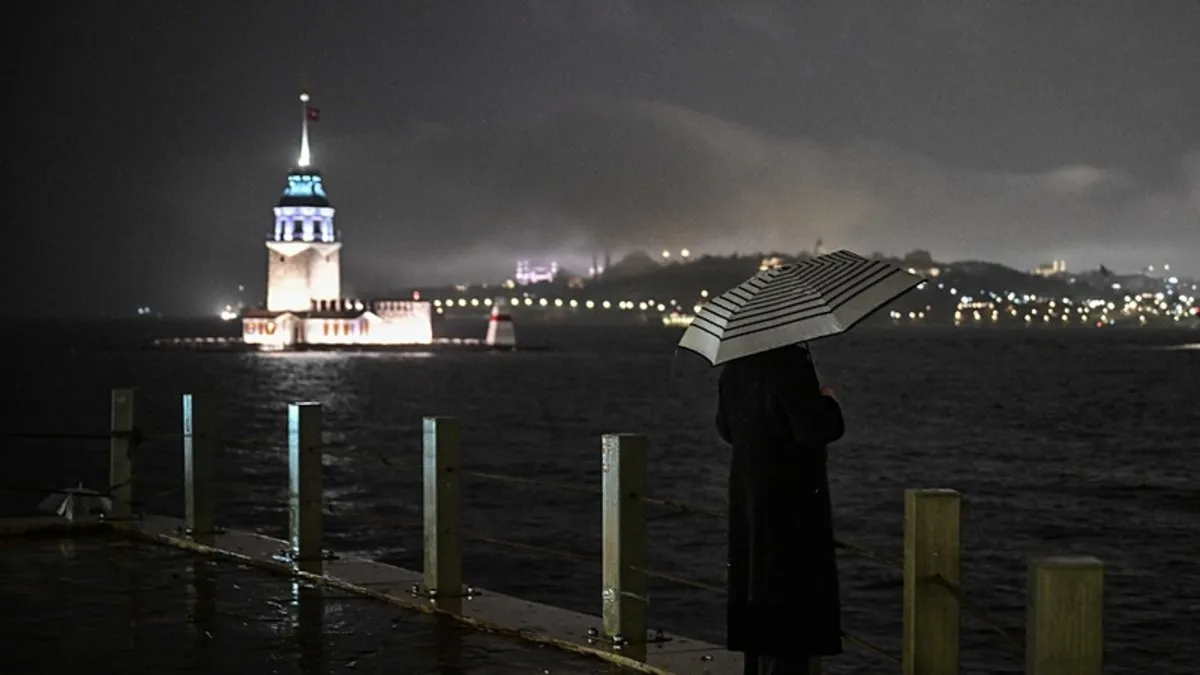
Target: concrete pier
column 573, row 634
column 110, row 604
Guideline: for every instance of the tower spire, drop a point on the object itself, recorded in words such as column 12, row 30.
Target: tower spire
column 305, row 157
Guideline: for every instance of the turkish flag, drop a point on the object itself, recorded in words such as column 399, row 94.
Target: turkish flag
column 314, row 114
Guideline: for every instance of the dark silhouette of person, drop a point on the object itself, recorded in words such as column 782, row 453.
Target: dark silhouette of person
column 783, row 606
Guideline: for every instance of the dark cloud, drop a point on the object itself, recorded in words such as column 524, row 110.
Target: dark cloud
column 150, row 139
column 644, row 175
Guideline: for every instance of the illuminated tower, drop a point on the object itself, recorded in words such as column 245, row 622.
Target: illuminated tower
column 303, row 253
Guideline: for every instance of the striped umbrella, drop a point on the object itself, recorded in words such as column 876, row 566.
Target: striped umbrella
column 794, row 303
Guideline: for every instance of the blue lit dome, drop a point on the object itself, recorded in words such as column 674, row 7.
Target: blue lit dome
column 304, row 188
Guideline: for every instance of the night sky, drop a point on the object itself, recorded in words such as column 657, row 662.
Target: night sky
column 151, row 139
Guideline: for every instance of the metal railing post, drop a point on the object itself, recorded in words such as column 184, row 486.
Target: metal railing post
column 442, row 462
column 199, row 446
column 305, row 530
column 623, row 528
column 121, row 447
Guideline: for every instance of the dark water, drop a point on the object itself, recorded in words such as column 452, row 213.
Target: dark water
column 1061, row 441
column 96, row 605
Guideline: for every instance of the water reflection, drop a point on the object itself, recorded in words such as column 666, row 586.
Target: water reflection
column 203, row 591
column 326, row 357
column 124, row 561
column 447, row 644
column 308, row 606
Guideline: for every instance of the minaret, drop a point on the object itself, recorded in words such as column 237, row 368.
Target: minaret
column 303, row 252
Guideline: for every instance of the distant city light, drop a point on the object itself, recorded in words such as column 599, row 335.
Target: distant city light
column 528, row 273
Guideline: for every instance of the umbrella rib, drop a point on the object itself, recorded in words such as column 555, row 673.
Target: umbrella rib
column 827, row 295
column 821, row 296
column 833, row 299
column 825, row 275
column 759, row 325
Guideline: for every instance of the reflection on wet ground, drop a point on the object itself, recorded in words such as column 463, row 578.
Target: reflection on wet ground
column 101, row 605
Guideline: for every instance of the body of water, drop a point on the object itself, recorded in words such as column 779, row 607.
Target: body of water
column 1064, row 441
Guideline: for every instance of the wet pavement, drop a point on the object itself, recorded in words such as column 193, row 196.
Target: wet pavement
column 100, row 604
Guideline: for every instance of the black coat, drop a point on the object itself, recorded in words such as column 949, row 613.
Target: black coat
column 783, row 587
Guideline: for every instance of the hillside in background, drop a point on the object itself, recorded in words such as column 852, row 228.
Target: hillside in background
column 968, row 291
column 639, row 276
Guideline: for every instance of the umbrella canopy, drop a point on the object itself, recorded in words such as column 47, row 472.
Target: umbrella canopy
column 794, row 303
column 76, row 502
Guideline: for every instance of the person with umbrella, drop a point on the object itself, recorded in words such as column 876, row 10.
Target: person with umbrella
column 783, row 607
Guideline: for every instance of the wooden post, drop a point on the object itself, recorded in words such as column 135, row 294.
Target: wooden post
column 931, row 611
column 1065, row 619
column 304, row 485
column 442, row 459
column 623, row 528
column 199, row 446
column 120, row 452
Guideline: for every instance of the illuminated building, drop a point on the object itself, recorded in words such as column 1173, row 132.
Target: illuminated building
column 1052, row 269
column 528, row 273
column 769, row 262
column 304, row 303
column 303, row 252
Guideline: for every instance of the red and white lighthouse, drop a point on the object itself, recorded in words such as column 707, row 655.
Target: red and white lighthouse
column 500, row 331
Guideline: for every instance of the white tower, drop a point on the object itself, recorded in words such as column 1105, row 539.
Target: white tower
column 303, row 252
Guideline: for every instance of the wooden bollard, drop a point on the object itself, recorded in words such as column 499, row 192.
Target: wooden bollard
column 623, row 528
column 304, row 482
column 1065, row 619
column 199, row 446
column 120, row 453
column 442, row 461
column 931, row 611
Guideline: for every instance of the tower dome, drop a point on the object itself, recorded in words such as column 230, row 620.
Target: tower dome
column 303, row 212
column 304, row 188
